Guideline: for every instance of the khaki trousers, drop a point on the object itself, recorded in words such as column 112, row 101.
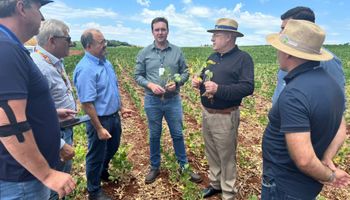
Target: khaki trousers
column 220, row 138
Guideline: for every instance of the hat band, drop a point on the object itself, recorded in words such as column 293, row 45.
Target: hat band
column 292, row 43
column 225, row 27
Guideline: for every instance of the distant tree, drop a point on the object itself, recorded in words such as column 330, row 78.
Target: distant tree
column 115, row 43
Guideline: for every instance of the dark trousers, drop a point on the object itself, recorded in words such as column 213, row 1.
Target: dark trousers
column 100, row 152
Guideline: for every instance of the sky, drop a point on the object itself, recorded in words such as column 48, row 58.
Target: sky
column 129, row 20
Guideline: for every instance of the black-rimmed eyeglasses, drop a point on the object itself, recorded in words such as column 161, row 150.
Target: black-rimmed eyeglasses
column 68, row 39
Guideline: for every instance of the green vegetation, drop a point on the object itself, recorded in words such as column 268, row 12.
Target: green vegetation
column 253, row 120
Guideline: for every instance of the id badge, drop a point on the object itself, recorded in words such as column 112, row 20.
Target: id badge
column 161, row 71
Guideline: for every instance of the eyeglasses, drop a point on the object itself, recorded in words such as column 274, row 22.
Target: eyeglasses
column 216, row 35
column 102, row 42
column 68, row 38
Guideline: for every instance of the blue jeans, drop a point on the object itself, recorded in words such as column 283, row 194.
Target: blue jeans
column 270, row 191
column 100, row 152
column 29, row 190
column 67, row 135
column 171, row 109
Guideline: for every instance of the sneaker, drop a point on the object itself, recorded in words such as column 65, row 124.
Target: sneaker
column 152, row 176
column 196, row 178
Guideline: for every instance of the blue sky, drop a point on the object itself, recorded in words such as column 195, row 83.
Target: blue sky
column 129, row 20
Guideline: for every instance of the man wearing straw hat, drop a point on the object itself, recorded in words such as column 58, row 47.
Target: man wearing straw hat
column 221, row 95
column 304, row 120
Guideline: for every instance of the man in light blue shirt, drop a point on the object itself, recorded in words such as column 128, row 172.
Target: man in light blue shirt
column 53, row 44
column 333, row 66
column 98, row 91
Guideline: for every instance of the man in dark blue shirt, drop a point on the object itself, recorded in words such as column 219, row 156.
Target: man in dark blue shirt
column 29, row 130
column 305, row 119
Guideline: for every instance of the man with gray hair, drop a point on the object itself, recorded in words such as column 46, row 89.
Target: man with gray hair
column 98, row 91
column 53, row 45
column 29, row 128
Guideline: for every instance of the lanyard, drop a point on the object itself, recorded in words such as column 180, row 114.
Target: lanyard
column 161, row 58
column 61, row 72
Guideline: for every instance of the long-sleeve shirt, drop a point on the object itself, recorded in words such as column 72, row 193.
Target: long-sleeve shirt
column 234, row 74
column 151, row 62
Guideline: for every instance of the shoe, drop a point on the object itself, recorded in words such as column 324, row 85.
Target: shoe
column 99, row 196
column 105, row 176
column 196, row 178
column 152, row 176
column 210, row 191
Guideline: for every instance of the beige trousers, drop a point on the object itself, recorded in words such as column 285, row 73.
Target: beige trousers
column 220, row 138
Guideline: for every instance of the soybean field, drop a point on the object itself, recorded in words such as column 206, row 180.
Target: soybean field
column 131, row 163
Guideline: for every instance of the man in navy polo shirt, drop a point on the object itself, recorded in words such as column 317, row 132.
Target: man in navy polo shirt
column 305, row 119
column 29, row 129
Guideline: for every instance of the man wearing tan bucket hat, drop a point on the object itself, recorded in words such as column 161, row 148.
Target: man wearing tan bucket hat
column 304, row 120
column 221, row 96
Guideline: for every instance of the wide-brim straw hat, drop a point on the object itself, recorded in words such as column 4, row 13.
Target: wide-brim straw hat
column 226, row 24
column 301, row 39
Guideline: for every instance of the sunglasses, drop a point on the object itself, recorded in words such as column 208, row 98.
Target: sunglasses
column 68, row 38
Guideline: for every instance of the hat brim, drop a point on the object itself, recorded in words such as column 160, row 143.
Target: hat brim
column 44, row 2
column 239, row 34
column 274, row 40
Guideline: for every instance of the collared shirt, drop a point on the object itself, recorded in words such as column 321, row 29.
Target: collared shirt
column 96, row 82
column 234, row 74
column 150, row 60
column 333, row 67
column 20, row 78
column 59, row 84
column 311, row 102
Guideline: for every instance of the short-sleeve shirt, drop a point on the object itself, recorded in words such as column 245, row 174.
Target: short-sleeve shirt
column 311, row 102
column 20, row 78
column 97, row 83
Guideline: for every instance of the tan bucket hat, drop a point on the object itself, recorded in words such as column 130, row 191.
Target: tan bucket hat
column 226, row 24
column 302, row 39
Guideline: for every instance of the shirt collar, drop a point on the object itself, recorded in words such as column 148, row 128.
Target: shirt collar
column 233, row 50
column 52, row 58
column 156, row 48
column 94, row 59
column 310, row 65
column 9, row 34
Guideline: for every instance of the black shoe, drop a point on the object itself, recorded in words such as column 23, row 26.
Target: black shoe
column 152, row 176
column 99, row 196
column 210, row 191
column 196, row 178
column 105, row 176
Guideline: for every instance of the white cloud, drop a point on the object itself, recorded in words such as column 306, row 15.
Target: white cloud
column 59, row 10
column 145, row 3
column 187, row 1
column 199, row 12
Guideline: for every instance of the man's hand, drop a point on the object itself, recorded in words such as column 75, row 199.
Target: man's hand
column 60, row 182
column 65, row 114
column 196, row 81
column 329, row 163
column 341, row 179
column 210, row 87
column 66, row 152
column 171, row 87
column 103, row 134
column 126, row 113
column 156, row 89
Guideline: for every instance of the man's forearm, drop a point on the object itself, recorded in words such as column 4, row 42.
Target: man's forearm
column 337, row 142
column 27, row 154
column 90, row 110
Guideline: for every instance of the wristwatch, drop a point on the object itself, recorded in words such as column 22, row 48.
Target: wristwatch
column 331, row 177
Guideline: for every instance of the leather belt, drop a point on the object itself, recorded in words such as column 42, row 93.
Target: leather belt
column 225, row 111
column 107, row 116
